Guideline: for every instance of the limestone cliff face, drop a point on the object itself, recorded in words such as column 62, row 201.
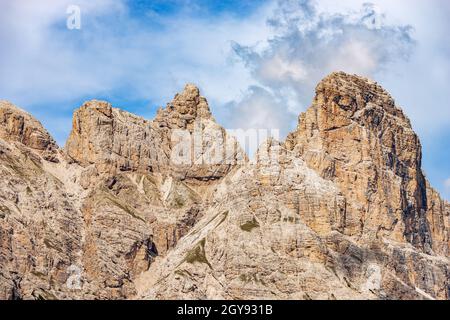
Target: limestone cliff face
column 171, row 208
column 40, row 227
column 113, row 189
column 17, row 125
column 182, row 113
column 438, row 217
column 355, row 136
column 276, row 231
column 211, row 153
column 114, row 140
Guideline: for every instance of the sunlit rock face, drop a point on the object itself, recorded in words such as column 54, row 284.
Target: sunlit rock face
column 355, row 136
column 171, row 208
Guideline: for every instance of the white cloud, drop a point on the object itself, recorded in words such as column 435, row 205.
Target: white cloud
column 258, row 109
column 114, row 52
column 307, row 45
column 278, row 69
column 418, row 85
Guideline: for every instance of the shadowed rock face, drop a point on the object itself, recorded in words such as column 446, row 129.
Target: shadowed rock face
column 342, row 212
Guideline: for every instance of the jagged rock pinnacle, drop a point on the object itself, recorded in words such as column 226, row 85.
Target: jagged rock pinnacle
column 185, row 108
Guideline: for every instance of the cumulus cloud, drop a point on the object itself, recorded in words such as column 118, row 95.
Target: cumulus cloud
column 40, row 59
column 117, row 53
column 259, row 108
column 445, row 189
column 309, row 44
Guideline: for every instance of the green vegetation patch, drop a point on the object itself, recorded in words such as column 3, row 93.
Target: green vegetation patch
column 151, row 190
column 179, row 202
column 38, row 274
column 225, row 215
column 250, row 225
column 197, row 254
column 45, row 295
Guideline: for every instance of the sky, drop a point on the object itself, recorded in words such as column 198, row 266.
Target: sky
column 257, row 61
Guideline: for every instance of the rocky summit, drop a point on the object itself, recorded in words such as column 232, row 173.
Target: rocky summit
column 172, row 208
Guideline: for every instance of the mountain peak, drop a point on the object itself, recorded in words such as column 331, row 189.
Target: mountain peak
column 352, row 93
column 186, row 107
column 101, row 106
column 355, row 135
column 191, row 91
column 16, row 125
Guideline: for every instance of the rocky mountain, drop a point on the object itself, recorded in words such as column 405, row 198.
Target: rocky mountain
column 173, row 209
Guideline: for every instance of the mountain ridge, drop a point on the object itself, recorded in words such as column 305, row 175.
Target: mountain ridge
column 342, row 210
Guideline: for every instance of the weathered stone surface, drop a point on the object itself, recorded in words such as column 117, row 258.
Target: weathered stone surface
column 438, row 216
column 129, row 202
column 17, row 125
column 275, row 231
column 184, row 109
column 355, row 136
column 340, row 210
column 114, row 140
column 40, row 228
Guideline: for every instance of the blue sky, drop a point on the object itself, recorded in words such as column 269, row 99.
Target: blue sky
column 257, row 61
column 210, row 7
